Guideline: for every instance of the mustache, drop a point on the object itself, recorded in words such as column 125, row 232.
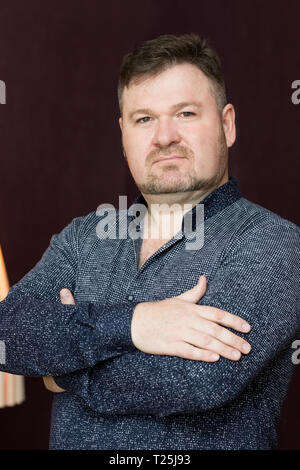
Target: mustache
column 164, row 152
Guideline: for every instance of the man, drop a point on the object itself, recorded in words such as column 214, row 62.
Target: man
column 147, row 341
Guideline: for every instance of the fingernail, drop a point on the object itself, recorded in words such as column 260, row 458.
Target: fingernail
column 246, row 348
column 215, row 356
column 64, row 293
column 246, row 327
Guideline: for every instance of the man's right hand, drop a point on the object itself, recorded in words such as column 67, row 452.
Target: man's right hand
column 176, row 326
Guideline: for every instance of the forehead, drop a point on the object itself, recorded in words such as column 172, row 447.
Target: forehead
column 183, row 82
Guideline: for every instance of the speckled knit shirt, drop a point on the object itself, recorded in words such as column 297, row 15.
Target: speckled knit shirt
column 119, row 397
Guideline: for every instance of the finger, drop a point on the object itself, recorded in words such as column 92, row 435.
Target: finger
column 66, row 297
column 222, row 334
column 223, row 317
column 205, row 341
column 194, row 294
column 51, row 385
column 45, row 382
column 188, row 351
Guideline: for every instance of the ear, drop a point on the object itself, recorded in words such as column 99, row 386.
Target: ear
column 228, row 121
column 121, row 124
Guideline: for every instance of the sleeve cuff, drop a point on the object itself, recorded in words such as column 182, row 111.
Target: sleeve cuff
column 112, row 327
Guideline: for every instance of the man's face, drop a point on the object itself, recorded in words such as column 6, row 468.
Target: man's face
column 174, row 138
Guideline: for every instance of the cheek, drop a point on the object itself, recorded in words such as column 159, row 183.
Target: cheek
column 205, row 145
column 202, row 140
column 134, row 143
column 135, row 153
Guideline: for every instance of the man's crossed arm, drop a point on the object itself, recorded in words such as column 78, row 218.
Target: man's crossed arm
column 259, row 280
column 177, row 327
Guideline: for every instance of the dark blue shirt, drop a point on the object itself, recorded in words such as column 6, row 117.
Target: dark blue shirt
column 119, row 397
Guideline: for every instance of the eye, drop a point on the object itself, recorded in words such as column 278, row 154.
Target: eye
column 188, row 112
column 141, row 119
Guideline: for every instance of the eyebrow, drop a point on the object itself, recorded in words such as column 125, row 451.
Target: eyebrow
column 174, row 107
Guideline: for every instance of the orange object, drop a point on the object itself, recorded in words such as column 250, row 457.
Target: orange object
column 12, row 388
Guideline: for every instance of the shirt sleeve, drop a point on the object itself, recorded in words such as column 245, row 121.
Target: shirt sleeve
column 258, row 280
column 40, row 336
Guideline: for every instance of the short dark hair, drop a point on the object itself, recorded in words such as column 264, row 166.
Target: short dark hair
column 152, row 57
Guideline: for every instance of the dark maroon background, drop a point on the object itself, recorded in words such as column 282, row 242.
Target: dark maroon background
column 60, row 144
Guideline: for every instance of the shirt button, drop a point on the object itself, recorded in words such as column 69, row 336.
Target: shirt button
column 130, row 297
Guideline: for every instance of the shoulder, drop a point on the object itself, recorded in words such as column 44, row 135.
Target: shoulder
column 263, row 234
column 76, row 232
column 257, row 218
column 85, row 224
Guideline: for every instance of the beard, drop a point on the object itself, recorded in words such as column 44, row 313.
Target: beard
column 175, row 182
column 172, row 180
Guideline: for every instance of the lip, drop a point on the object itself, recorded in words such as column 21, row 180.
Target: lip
column 169, row 157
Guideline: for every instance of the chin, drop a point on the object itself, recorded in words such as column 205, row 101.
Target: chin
column 161, row 187
column 167, row 184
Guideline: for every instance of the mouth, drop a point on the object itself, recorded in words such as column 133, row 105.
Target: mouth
column 169, row 158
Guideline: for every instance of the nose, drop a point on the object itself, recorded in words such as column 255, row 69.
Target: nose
column 166, row 132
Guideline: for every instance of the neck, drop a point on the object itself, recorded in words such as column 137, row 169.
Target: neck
column 166, row 211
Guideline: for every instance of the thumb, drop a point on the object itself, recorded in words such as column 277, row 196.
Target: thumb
column 66, row 297
column 194, row 294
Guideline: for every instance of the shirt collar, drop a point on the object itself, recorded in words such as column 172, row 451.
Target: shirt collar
column 216, row 201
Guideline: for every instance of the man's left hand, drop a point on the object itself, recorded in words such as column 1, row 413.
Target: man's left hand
column 66, row 297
